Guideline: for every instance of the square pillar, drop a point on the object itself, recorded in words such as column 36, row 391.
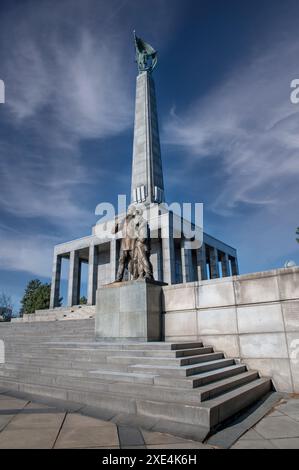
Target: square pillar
column 74, row 279
column 159, row 261
column 186, row 257
column 234, row 265
column 92, row 274
column 168, row 250
column 202, row 263
column 225, row 265
column 55, row 284
column 113, row 259
column 214, row 268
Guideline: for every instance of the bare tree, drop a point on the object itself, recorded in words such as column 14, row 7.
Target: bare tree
column 6, row 307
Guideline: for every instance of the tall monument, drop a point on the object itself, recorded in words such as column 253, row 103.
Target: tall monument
column 168, row 259
column 147, row 177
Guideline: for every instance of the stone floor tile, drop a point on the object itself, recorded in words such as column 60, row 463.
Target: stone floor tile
column 288, row 443
column 87, row 436
column 251, row 435
column 152, row 438
column 180, row 445
column 129, row 436
column 31, row 439
column 36, row 420
column 277, row 427
column 10, row 403
column 252, row 444
column 4, row 420
column 75, row 420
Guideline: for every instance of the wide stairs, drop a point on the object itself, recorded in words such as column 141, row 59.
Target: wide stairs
column 184, row 388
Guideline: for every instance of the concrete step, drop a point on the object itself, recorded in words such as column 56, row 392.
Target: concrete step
column 44, row 365
column 211, row 412
column 208, row 414
column 65, row 377
column 201, row 379
column 215, row 389
column 164, row 361
column 87, row 353
column 183, row 371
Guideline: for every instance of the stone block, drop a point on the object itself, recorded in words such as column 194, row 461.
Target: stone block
column 263, row 345
column 260, row 318
column 289, row 283
column 178, row 324
column 293, row 348
column 227, row 343
column 178, row 297
column 277, row 369
column 290, row 312
column 217, row 293
column 256, row 288
column 129, row 310
column 217, row 321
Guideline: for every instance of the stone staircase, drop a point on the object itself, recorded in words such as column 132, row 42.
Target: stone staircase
column 77, row 312
column 185, row 388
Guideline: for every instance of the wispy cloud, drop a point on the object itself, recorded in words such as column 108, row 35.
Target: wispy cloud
column 28, row 253
column 249, row 125
column 69, row 76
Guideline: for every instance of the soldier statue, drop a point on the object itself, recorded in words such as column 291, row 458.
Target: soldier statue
column 135, row 245
column 142, row 265
column 127, row 248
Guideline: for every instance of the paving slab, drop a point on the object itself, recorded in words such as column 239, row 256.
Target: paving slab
column 84, row 432
column 289, row 443
column 278, row 427
column 252, row 434
column 153, row 438
column 75, row 420
column 7, row 403
column 129, row 436
column 31, row 439
column 33, row 418
column 4, row 420
column 180, row 445
column 253, row 444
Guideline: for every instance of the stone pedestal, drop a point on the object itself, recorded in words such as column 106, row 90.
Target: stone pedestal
column 129, row 311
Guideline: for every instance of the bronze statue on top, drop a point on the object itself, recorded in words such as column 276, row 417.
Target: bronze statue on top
column 135, row 246
column 146, row 56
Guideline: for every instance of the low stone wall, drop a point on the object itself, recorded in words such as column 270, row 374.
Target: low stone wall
column 253, row 317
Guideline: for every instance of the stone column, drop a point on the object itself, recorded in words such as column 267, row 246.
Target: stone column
column 159, row 261
column 168, row 251
column 113, row 259
column 92, row 275
column 74, row 279
column 55, row 284
column 186, row 257
column 214, row 269
column 202, row 263
column 234, row 265
column 225, row 265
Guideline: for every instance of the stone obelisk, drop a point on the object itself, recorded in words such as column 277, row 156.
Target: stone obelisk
column 147, row 176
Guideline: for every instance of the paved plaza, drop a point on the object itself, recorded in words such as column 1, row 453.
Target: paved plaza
column 278, row 430
column 25, row 424
column 28, row 425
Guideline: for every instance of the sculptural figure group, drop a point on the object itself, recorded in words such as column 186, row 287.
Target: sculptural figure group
column 135, row 245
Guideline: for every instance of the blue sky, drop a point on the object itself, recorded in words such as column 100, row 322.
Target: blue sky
column 229, row 132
